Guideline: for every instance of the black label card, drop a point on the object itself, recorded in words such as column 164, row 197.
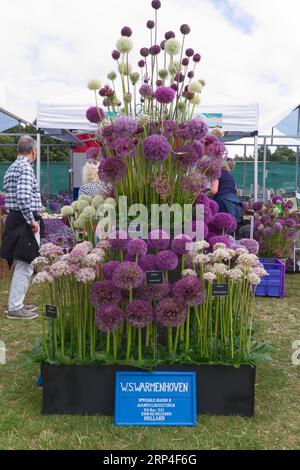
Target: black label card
column 220, row 290
column 154, row 278
column 51, row 311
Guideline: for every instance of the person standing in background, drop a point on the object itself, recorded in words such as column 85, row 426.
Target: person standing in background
column 23, row 227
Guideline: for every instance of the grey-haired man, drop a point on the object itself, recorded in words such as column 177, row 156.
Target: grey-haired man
column 21, row 238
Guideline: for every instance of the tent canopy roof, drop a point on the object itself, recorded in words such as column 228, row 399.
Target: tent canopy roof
column 9, row 120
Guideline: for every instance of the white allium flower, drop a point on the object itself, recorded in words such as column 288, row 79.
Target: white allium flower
column 124, row 44
column 110, row 201
column 248, row 260
column 97, row 201
column 89, row 212
column 219, row 268
column 195, row 87
column 188, row 273
column 220, row 255
column 241, row 251
column 253, row 278
column 260, row 271
column 210, row 277
column 100, row 253
column 40, row 262
column 42, row 278
column 144, row 120
column 112, row 75
column 174, row 67
column 196, row 100
column 82, row 204
column 74, row 206
column 200, row 246
column 172, row 46
column 201, row 259
column 91, row 260
column 67, row 211
column 220, row 246
column 235, row 274
column 94, row 85
column 125, row 69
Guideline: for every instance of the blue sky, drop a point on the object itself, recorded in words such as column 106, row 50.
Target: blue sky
column 236, row 16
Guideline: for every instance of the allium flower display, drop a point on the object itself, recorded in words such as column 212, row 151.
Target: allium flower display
column 95, row 115
column 219, row 239
column 251, row 245
column 210, row 169
column 188, row 155
column 225, row 223
column 108, row 318
column 194, row 182
column 119, row 240
column 104, row 292
column 158, row 240
column 108, row 269
column 146, row 91
column 189, row 291
column 139, row 313
column 111, row 169
column 165, row 95
column 125, row 126
column 170, row 313
column 197, row 128
column 148, row 262
column 182, row 244
column 50, row 251
column 156, row 148
column 156, row 293
column 85, row 275
column 167, row 260
column 137, row 247
column 128, row 276
column 214, row 207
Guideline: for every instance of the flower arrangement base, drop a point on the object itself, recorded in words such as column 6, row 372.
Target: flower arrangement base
column 274, row 284
column 89, row 389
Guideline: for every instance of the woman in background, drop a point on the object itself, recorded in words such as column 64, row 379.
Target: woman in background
column 92, row 186
column 224, row 192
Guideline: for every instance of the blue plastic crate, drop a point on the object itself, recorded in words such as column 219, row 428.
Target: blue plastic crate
column 274, row 284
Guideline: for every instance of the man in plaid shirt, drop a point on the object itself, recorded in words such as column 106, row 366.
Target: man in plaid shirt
column 23, row 201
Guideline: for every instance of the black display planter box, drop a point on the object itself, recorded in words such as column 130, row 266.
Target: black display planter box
column 89, row 389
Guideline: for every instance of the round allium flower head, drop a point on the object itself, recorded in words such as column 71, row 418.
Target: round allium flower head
column 159, row 83
column 126, row 31
column 225, row 222
column 92, row 155
column 137, row 247
column 156, row 147
column 134, row 77
column 172, row 46
column 197, row 58
column 128, row 276
column 191, row 74
column 194, row 182
column 165, row 94
column 189, row 52
column 211, row 169
column 195, row 87
column 179, row 77
column 116, row 55
column 214, row 207
column 277, row 200
column 125, row 126
column 43, row 278
column 108, row 318
column 150, row 24
column 157, row 293
column 94, row 85
column 181, row 245
column 170, row 35
column 104, row 292
column 67, row 211
column 146, row 91
column 139, row 313
column 108, row 269
column 196, row 100
column 291, row 223
column 119, row 239
column 251, row 245
column 124, row 45
column 197, row 128
column 155, row 50
column 158, row 240
column 185, row 62
column 202, row 199
column 185, row 29
column 174, row 86
column 141, row 63
column 148, row 262
column 144, row 52
column 219, row 239
column 189, row 291
column 257, row 206
column 277, row 227
column 167, row 260
column 111, row 169
column 187, row 155
column 217, row 150
column 95, row 115
column 170, row 312
column 85, row 275
column 156, row 4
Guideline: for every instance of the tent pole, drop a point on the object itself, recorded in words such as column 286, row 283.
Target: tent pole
column 265, row 170
column 255, row 167
column 245, row 170
column 38, row 160
column 297, row 171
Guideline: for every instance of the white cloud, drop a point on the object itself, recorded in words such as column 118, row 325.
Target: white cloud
column 49, row 48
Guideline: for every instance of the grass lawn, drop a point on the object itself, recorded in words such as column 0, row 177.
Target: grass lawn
column 276, row 425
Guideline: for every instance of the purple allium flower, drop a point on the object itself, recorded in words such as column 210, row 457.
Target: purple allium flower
column 217, row 150
column 189, row 52
column 108, row 318
column 210, row 169
column 93, row 114
column 116, row 55
column 146, row 91
column 157, row 293
column 187, row 155
column 267, row 232
column 251, row 245
column 169, row 128
column 277, row 227
column 104, row 292
column 181, row 245
column 119, row 240
column 197, row 128
column 162, row 187
column 159, row 83
column 108, row 269
column 137, row 247
column 225, row 222
column 257, row 206
column 291, row 223
column 155, row 49
column 189, row 291
column 54, row 206
column 170, row 312
column 185, row 62
column 156, row 147
column 170, row 35
column 150, row 24
column 125, row 126
column 156, row 4
column 128, row 276
column 266, row 219
column 106, row 91
column 214, row 207
column 126, row 31
column 219, row 239
column 191, row 74
column 174, row 87
column 289, row 205
column 167, row 260
column 208, row 216
column 92, row 155
column 162, row 45
column 194, row 182
column 185, row 29
column 130, row 258
column 124, row 147
column 179, row 77
column 158, row 240
column 165, row 94
column 202, row 199
column 197, row 58
column 111, row 169
column 139, row 313
column 277, row 200
column 144, row 52
column 148, row 262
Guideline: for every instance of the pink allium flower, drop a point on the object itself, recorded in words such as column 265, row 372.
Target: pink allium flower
column 108, row 318
column 146, row 91
column 137, row 247
column 85, row 275
column 104, row 292
column 165, row 94
column 197, row 128
column 139, row 313
column 111, row 169
column 251, row 245
column 170, row 313
column 59, row 269
column 189, row 291
column 148, row 262
column 181, row 245
column 50, row 250
column 108, row 269
column 43, row 278
column 95, row 115
column 125, row 126
column 128, row 276
column 167, row 261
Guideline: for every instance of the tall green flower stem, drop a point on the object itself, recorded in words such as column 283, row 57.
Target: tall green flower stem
column 170, row 340
column 140, row 356
column 187, row 333
column 43, row 319
column 176, row 340
column 115, row 344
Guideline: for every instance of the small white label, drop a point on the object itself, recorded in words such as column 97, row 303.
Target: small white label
column 296, row 355
column 2, row 353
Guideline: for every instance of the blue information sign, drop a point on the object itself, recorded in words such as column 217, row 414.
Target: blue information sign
column 155, row 399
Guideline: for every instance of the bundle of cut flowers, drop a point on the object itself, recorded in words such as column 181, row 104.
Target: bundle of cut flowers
column 152, row 148
column 275, row 227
